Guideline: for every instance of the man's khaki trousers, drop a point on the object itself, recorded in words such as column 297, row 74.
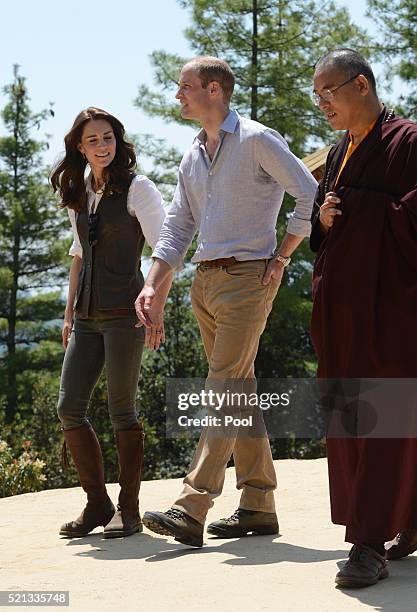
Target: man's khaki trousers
column 231, row 306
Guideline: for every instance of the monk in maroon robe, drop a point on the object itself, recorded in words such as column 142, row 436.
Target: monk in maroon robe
column 364, row 321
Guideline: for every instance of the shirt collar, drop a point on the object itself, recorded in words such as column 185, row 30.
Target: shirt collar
column 229, row 125
column 88, row 185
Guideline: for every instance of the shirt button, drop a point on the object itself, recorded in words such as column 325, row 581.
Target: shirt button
column 210, row 173
column 209, row 195
column 87, row 287
column 206, row 216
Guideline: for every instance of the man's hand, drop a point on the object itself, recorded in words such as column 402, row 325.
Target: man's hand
column 328, row 210
column 143, row 304
column 150, row 312
column 150, row 302
column 274, row 270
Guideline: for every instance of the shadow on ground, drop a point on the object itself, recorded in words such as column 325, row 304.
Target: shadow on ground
column 397, row 593
column 251, row 550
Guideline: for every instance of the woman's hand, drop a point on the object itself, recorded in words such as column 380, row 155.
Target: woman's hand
column 154, row 329
column 328, row 211
column 67, row 329
column 155, row 336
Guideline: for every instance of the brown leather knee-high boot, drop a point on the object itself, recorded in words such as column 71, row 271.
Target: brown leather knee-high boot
column 86, row 453
column 126, row 520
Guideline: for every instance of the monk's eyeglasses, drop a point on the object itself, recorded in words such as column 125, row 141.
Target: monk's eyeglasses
column 327, row 95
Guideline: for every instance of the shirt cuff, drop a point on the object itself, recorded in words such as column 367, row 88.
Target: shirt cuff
column 75, row 250
column 171, row 256
column 298, row 227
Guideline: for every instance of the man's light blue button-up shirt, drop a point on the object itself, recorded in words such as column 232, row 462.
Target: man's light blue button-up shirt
column 233, row 200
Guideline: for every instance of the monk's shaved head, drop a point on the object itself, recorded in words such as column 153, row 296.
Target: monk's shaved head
column 349, row 63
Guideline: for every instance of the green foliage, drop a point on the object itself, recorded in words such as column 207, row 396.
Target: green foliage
column 285, row 348
column 32, row 251
column 182, row 356
column 166, row 70
column 40, row 427
column 272, row 48
column 165, row 159
column 22, row 473
column 397, row 20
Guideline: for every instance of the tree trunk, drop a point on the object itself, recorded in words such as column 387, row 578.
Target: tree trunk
column 11, row 405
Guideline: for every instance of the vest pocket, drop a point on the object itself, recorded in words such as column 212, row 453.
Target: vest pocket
column 117, row 290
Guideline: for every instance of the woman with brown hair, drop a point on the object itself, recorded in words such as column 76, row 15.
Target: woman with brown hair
column 112, row 212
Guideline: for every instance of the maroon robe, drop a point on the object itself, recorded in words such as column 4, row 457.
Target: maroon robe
column 364, row 321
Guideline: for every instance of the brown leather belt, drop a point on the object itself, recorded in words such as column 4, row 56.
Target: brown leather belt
column 223, row 262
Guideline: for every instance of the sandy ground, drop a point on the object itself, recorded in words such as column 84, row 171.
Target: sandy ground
column 293, row 572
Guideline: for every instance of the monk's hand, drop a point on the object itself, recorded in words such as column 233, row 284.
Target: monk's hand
column 329, row 210
column 274, row 270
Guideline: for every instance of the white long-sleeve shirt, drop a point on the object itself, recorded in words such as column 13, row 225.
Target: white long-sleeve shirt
column 144, row 202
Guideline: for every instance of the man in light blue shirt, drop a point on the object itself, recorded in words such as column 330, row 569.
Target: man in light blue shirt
column 233, row 200
column 230, row 189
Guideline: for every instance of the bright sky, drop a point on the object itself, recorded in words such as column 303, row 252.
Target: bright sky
column 82, row 53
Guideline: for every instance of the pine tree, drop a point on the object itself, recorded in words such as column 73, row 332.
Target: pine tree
column 272, row 47
column 397, row 20
column 31, row 249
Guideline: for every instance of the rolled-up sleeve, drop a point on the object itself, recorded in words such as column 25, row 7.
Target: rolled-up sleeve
column 178, row 229
column 276, row 159
column 145, row 202
column 76, row 248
